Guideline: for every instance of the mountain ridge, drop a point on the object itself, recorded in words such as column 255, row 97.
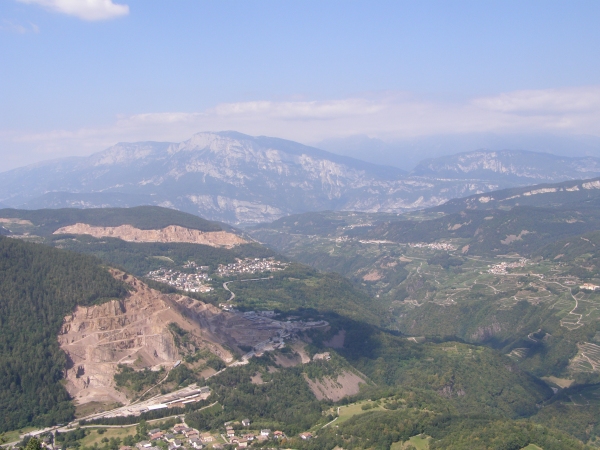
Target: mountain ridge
column 240, row 179
column 519, row 164
column 538, row 195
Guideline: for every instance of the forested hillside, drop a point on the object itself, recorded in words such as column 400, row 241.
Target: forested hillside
column 46, row 221
column 39, row 286
column 567, row 193
column 512, row 278
column 140, row 258
column 522, row 229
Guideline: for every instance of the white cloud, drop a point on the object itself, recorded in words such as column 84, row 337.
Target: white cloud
column 313, row 110
column 14, row 27
column 548, row 101
column 386, row 116
column 84, row 9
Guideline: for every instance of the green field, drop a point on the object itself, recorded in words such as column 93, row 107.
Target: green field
column 346, row 412
column 522, row 307
column 420, row 442
column 96, row 438
column 14, row 435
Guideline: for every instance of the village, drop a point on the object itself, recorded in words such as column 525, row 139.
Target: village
column 250, row 265
column 182, row 436
column 237, row 434
column 234, row 434
column 188, row 282
column 434, row 246
column 502, row 268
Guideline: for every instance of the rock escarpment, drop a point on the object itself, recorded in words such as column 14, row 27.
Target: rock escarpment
column 172, row 233
column 132, row 331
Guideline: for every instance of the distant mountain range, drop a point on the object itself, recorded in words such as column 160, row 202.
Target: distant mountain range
column 575, row 192
column 506, row 165
column 241, row 179
column 407, row 153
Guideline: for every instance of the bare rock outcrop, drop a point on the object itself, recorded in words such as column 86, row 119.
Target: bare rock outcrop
column 172, row 233
column 346, row 383
column 133, row 331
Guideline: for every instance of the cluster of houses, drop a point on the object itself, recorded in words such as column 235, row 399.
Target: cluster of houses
column 180, row 437
column 183, row 437
column 251, row 265
column 589, row 287
column 189, row 282
column 502, row 268
column 434, row 246
column 244, row 438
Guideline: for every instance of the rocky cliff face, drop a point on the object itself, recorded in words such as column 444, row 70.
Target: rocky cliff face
column 132, row 331
column 172, row 233
column 242, row 179
column 135, row 332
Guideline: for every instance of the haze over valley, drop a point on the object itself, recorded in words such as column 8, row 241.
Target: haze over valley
column 242, row 180
column 299, row 225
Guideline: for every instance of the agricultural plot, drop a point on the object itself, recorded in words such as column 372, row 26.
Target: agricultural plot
column 420, row 442
column 523, row 306
column 349, row 411
column 408, row 276
column 106, row 433
column 519, row 353
column 587, row 359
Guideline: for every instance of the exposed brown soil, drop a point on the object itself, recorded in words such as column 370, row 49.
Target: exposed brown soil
column 373, row 275
column 223, row 327
column 347, row 383
column 172, row 233
column 131, row 331
column 135, row 331
column 298, row 347
column 257, row 378
column 209, row 371
column 15, row 221
column 288, row 360
column 513, row 237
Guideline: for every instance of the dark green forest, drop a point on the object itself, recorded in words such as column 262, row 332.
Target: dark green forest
column 140, row 258
column 487, row 229
column 46, row 221
column 39, row 286
column 300, row 287
column 379, row 429
column 464, row 396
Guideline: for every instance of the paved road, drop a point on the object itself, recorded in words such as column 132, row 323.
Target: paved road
column 227, row 289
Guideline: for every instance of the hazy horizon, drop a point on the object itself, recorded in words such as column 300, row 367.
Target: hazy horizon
column 425, row 78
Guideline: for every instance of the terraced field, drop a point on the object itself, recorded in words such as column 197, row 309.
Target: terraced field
column 587, row 359
column 439, row 288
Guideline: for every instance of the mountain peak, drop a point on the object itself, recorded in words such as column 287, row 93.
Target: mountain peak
column 215, row 142
column 127, row 152
column 241, row 179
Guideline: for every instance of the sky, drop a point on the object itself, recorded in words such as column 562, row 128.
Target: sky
column 77, row 76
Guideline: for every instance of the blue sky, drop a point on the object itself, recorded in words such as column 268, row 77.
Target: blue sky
column 79, row 75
